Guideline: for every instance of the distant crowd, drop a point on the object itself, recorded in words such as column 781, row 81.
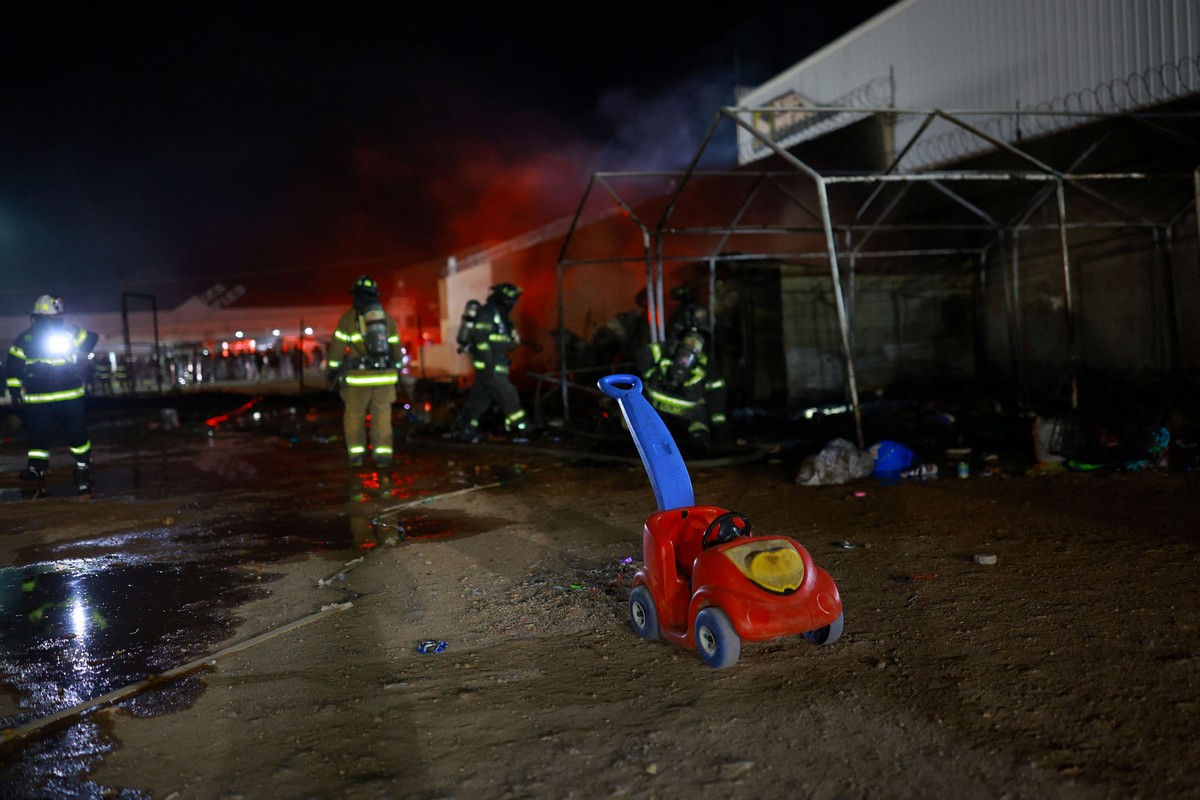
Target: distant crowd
column 109, row 374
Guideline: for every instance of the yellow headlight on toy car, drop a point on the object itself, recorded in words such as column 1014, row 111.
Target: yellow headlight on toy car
column 773, row 566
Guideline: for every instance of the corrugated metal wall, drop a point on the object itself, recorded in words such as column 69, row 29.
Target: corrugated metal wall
column 1088, row 55
column 906, row 329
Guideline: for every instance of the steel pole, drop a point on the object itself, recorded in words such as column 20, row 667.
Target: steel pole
column 1068, row 305
column 843, row 322
column 653, row 297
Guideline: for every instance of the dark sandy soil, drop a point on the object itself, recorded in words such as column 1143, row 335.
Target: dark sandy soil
column 1068, row 668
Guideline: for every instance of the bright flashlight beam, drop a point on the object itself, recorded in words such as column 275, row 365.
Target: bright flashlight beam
column 59, row 344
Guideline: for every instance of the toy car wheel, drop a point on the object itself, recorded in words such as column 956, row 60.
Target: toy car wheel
column 716, row 640
column 642, row 615
column 829, row 634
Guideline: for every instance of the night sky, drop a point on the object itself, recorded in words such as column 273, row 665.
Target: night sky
column 159, row 150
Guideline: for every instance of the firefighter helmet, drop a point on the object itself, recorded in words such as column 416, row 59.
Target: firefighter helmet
column 683, row 294
column 365, row 285
column 696, row 316
column 506, row 293
column 692, row 317
column 48, row 306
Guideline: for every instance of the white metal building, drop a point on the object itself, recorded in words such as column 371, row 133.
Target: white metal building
column 1005, row 55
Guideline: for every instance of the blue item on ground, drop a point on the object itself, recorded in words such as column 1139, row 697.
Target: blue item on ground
column 891, row 458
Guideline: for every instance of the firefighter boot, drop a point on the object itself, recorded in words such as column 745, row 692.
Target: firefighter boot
column 83, row 479
column 470, row 433
column 33, row 472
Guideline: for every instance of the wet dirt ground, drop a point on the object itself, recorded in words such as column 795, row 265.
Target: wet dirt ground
column 1069, row 668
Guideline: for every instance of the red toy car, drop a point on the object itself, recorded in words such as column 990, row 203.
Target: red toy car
column 708, row 581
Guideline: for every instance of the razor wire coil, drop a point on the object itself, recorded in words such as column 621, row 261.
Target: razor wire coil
column 1170, row 81
column 1138, row 90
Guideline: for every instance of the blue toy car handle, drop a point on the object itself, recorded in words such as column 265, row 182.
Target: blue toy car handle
column 664, row 465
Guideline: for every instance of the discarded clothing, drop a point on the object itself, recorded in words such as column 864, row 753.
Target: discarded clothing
column 838, row 462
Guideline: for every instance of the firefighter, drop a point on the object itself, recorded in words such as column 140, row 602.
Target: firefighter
column 365, row 362
column 104, row 375
column 43, row 376
column 620, row 339
column 682, row 384
column 688, row 313
column 488, row 336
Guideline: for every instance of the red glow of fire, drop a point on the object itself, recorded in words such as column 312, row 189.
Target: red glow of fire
column 509, row 198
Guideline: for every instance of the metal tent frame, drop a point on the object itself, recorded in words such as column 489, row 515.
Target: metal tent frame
column 654, row 221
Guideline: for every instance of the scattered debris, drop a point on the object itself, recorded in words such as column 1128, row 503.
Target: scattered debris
column 891, row 458
column 341, row 573
column 921, row 472
column 548, row 602
column 838, row 462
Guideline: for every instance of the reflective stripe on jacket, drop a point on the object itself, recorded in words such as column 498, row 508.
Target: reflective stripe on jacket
column 348, row 353
column 43, row 361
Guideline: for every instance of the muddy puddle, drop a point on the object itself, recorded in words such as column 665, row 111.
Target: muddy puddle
column 418, row 526
column 80, row 628
column 83, row 617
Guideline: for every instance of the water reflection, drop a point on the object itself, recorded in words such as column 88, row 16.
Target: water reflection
column 376, row 517
column 369, row 492
column 74, row 630
column 57, row 767
column 86, row 617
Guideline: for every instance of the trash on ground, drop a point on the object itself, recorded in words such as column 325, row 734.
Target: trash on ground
column 838, row 462
column 891, row 458
column 921, row 472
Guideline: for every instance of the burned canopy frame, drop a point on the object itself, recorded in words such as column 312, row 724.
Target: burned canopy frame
column 867, row 224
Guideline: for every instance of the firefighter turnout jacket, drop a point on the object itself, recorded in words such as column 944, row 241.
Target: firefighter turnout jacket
column 366, row 348
column 43, row 364
column 679, row 383
column 488, row 336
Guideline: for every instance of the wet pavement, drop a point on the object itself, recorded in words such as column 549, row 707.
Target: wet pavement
column 86, row 616
column 78, row 628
